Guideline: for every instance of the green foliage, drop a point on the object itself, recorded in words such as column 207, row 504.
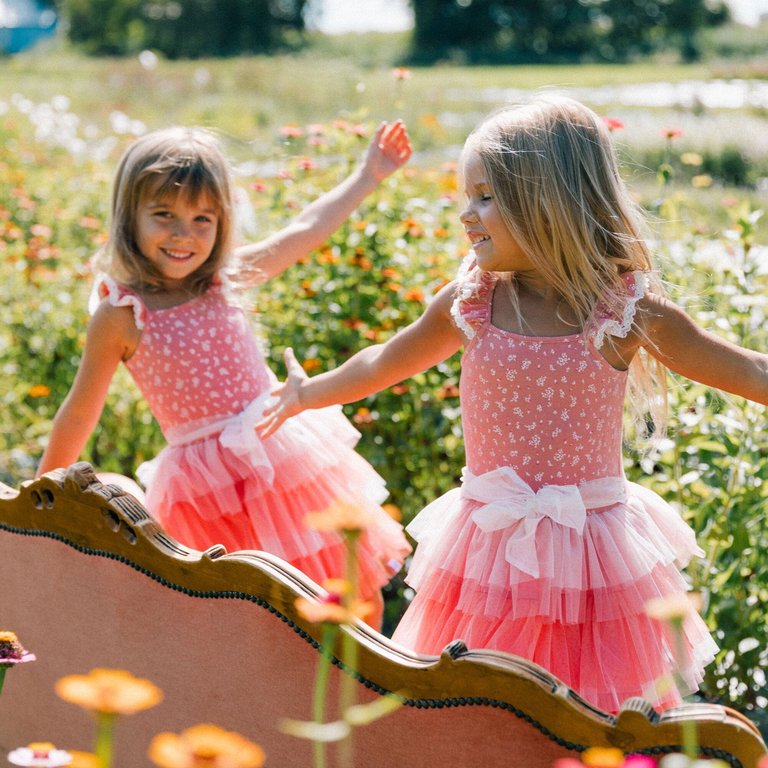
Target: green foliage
column 553, row 30
column 189, row 29
column 374, row 276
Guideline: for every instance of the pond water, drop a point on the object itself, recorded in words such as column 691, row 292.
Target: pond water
column 710, row 113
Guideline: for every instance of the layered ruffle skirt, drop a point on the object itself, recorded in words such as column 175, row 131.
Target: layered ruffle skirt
column 219, row 483
column 561, row 577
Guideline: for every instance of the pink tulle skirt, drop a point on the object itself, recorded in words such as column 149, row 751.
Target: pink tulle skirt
column 572, row 599
column 219, row 483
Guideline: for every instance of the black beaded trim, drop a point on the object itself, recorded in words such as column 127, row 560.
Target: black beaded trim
column 460, row 701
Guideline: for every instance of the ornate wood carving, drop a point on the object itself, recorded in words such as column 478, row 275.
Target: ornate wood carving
column 88, row 577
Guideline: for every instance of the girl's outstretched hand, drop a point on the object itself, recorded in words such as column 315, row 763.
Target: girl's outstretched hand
column 389, row 150
column 288, row 396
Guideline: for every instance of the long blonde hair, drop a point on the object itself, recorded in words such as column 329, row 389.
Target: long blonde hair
column 552, row 167
column 172, row 161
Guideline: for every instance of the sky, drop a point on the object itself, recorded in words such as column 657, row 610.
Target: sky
column 341, row 16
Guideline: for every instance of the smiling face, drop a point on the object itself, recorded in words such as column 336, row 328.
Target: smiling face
column 176, row 234
column 495, row 247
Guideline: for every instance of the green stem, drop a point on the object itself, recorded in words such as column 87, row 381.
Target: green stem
column 105, row 722
column 2, row 677
column 349, row 649
column 688, row 725
column 321, row 687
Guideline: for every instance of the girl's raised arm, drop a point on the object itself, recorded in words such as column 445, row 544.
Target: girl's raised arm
column 427, row 341
column 110, row 339
column 686, row 348
column 389, row 150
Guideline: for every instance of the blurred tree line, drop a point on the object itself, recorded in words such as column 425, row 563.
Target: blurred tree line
column 181, row 29
column 462, row 31
column 522, row 31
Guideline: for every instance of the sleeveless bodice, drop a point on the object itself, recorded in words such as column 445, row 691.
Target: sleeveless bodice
column 551, row 408
column 196, row 362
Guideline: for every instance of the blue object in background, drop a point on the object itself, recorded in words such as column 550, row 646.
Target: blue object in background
column 23, row 23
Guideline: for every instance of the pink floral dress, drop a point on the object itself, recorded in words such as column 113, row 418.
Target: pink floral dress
column 201, row 370
column 546, row 551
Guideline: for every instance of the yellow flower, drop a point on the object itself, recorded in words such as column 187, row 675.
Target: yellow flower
column 603, row 757
column 701, row 181
column 113, row 691
column 205, row 745
column 673, row 607
column 39, row 390
column 340, row 516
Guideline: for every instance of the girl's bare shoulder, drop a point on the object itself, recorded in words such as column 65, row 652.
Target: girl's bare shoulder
column 114, row 326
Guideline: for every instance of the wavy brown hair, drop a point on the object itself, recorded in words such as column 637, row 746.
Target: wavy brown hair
column 167, row 163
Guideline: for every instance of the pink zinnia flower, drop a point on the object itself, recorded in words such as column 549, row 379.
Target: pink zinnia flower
column 42, row 754
column 11, row 650
column 291, row 132
column 613, row 123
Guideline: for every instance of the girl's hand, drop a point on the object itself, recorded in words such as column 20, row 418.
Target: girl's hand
column 389, row 150
column 288, row 397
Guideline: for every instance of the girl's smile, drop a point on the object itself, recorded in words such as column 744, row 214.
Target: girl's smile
column 495, row 248
column 176, row 235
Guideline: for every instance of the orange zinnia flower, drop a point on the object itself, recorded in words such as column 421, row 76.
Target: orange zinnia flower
column 205, row 745
column 414, row 294
column 331, row 608
column 113, row 691
column 311, row 364
column 603, row 757
column 340, row 516
column 84, row 760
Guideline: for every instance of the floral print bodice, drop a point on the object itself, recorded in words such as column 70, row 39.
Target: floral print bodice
column 549, row 407
column 195, row 362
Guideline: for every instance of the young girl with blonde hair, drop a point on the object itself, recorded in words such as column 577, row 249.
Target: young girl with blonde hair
column 546, row 551
column 163, row 307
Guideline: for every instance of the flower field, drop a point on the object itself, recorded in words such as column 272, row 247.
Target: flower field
column 375, row 275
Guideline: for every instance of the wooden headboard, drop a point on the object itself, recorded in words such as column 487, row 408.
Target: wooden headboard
column 88, row 579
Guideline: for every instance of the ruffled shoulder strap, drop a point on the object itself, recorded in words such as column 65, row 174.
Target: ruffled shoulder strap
column 117, row 295
column 616, row 320
column 472, row 301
